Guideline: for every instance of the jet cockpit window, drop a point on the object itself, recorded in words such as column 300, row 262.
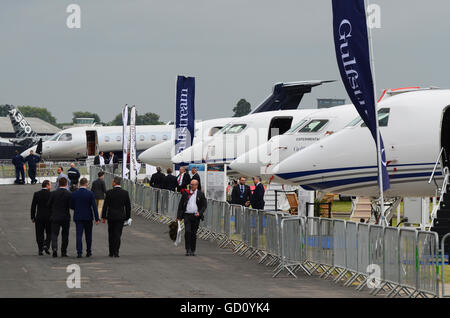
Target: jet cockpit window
column 224, row 128
column 235, row 129
column 65, row 137
column 354, row 122
column 296, row 127
column 383, row 117
column 314, row 126
column 54, row 137
column 213, row 130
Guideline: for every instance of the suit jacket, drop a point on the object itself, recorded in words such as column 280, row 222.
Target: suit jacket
column 84, row 205
column 257, row 198
column 236, row 195
column 97, row 160
column 40, row 202
column 184, row 183
column 99, row 189
column 114, row 159
column 157, row 180
column 201, row 204
column 32, row 160
column 59, row 205
column 170, row 182
column 197, row 177
column 117, row 205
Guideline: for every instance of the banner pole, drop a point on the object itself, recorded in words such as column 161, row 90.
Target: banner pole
column 379, row 158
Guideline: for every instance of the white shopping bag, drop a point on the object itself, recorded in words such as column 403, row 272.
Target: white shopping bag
column 178, row 240
column 127, row 222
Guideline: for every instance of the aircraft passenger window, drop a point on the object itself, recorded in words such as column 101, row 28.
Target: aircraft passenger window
column 118, row 138
column 383, row 117
column 235, row 129
column 314, row 125
column 214, row 130
column 165, row 137
column 65, row 137
column 141, row 137
column 153, row 137
column 295, row 127
column 106, row 138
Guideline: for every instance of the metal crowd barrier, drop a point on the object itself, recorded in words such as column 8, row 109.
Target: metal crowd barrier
column 387, row 260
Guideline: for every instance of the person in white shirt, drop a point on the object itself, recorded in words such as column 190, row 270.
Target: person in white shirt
column 183, row 179
column 191, row 209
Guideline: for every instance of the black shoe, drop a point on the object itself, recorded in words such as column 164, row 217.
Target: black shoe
column 188, row 253
column 64, row 254
column 192, row 253
column 88, row 254
column 46, row 251
column 55, row 254
column 40, row 253
column 116, row 255
column 110, row 255
column 79, row 256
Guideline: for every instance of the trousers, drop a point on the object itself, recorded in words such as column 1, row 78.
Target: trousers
column 191, row 224
column 64, row 226
column 86, row 227
column 43, row 228
column 114, row 233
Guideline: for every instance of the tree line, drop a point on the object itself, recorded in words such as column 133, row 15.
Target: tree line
column 242, row 108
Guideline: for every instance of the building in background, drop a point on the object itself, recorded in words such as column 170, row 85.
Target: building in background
column 329, row 102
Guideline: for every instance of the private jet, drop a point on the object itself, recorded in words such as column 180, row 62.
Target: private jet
column 312, row 128
column 415, row 127
column 273, row 117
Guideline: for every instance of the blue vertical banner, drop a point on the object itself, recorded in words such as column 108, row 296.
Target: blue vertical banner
column 353, row 58
column 185, row 113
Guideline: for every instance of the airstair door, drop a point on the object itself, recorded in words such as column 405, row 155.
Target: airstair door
column 91, row 142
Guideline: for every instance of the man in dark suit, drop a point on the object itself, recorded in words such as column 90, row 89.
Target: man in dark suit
column 195, row 176
column 170, row 181
column 241, row 193
column 116, row 209
column 183, row 179
column 191, row 208
column 99, row 189
column 157, row 179
column 18, row 163
column 59, row 205
column 99, row 160
column 113, row 160
column 257, row 198
column 32, row 160
column 41, row 217
column 85, row 211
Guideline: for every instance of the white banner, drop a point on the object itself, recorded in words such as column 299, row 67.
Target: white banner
column 133, row 161
column 125, row 141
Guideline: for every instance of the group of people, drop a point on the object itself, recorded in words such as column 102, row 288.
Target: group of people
column 112, row 160
column 19, row 163
column 174, row 183
column 50, row 212
column 241, row 194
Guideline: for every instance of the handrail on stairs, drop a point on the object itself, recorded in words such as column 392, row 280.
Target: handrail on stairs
column 445, row 174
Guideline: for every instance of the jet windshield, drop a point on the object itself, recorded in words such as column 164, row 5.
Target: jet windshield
column 383, row 119
column 314, row 125
column 295, row 128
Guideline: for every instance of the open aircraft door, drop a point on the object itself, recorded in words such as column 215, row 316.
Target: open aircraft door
column 91, row 143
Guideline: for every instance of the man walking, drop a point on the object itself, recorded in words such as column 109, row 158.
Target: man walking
column 170, row 181
column 32, row 159
column 190, row 209
column 241, row 193
column 85, row 211
column 59, row 205
column 18, row 163
column 116, row 209
column 183, row 179
column 257, row 198
column 74, row 176
column 62, row 175
column 157, row 179
column 40, row 216
column 99, row 189
column 196, row 176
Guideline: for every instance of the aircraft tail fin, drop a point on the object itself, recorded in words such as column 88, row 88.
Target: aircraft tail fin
column 287, row 96
column 22, row 128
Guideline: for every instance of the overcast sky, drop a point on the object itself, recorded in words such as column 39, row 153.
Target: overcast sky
column 130, row 51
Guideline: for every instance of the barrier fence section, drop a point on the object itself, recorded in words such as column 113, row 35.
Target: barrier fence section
column 386, row 260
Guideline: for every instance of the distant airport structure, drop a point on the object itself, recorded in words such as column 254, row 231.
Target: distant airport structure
column 329, row 102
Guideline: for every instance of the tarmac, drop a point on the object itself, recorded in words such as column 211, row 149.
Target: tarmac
column 149, row 264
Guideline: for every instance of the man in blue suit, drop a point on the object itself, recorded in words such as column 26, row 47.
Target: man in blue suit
column 18, row 162
column 85, row 211
column 32, row 159
column 257, row 198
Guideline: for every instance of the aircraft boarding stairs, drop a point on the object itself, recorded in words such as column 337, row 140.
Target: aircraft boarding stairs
column 440, row 217
column 363, row 207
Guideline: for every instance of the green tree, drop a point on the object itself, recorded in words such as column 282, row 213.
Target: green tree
column 3, row 110
column 39, row 112
column 146, row 119
column 81, row 114
column 242, row 108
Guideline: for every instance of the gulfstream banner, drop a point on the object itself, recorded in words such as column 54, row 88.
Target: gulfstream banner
column 353, row 58
column 185, row 114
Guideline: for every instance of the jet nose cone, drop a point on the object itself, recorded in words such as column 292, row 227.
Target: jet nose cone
column 189, row 155
column 158, row 155
column 245, row 166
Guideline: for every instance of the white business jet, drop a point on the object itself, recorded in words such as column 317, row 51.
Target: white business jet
column 273, row 117
column 310, row 129
column 159, row 155
column 415, row 125
column 80, row 142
